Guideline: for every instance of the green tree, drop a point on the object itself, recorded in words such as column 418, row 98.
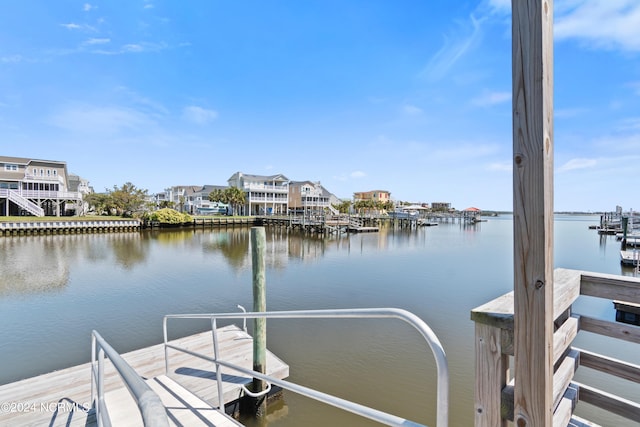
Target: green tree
column 100, row 203
column 218, row 195
column 128, row 199
column 166, row 204
column 235, row 197
column 343, row 207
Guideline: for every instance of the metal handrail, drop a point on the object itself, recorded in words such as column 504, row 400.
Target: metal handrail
column 430, row 337
column 151, row 408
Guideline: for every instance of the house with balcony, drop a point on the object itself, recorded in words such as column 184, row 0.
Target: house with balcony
column 35, row 187
column 81, row 186
column 201, row 205
column 265, row 195
column 310, row 197
column 179, row 197
column 191, row 199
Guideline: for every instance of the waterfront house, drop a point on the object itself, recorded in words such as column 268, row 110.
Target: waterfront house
column 36, row 187
column 80, row 185
column 265, row 195
column 441, row 207
column 181, row 197
column 374, row 195
column 308, row 196
column 201, row 205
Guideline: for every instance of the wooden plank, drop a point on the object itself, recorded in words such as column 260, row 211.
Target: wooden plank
column 566, row 289
column 532, row 58
column 564, row 375
column 609, row 402
column 610, row 286
column 609, row 365
column 621, row 331
column 492, row 370
column 499, row 312
column 564, row 411
column 72, row 386
column 564, row 336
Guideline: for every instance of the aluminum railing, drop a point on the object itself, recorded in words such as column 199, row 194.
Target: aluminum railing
column 367, row 313
column 151, row 408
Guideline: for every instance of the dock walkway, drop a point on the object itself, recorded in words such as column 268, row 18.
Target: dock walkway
column 63, row 398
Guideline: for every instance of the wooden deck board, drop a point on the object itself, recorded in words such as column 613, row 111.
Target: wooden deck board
column 63, row 397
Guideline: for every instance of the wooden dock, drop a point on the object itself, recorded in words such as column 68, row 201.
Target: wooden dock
column 63, row 398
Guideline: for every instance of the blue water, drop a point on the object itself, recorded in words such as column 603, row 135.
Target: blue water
column 55, row 289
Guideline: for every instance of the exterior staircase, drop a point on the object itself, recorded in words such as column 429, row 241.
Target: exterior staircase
column 25, row 203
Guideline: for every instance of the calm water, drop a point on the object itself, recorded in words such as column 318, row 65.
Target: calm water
column 55, row 289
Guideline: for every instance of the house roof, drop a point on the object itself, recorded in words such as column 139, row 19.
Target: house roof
column 25, row 161
column 472, row 209
column 250, row 177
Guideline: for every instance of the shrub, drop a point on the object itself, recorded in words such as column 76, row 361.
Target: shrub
column 170, row 216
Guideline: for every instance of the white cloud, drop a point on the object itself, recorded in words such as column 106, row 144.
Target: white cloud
column 87, row 7
column 630, row 124
column 133, row 48
column 411, row 110
column 488, row 99
column 95, row 41
column 453, row 49
column 578, row 163
column 605, row 24
column 199, row 115
column 148, row 6
column 79, row 27
column 100, row 120
column 358, row 174
column 11, row 59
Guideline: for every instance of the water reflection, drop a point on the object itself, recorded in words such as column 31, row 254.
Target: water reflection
column 56, row 289
column 31, row 265
column 38, row 264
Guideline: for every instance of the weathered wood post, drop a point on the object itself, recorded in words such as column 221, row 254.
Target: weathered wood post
column 258, row 245
column 532, row 67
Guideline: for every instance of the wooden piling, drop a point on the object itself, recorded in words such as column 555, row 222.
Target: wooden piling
column 258, row 245
column 532, row 50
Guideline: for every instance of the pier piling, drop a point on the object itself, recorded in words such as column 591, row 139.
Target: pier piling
column 258, row 405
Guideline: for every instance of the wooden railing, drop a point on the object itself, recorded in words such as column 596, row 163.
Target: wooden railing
column 494, row 389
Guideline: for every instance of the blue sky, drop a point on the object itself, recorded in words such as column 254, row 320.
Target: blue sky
column 410, row 96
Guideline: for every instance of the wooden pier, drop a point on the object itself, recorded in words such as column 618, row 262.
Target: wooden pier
column 63, row 398
column 496, row 335
column 536, row 325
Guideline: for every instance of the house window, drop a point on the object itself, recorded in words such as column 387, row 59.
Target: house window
column 55, row 172
column 10, row 167
column 48, row 172
column 41, row 172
